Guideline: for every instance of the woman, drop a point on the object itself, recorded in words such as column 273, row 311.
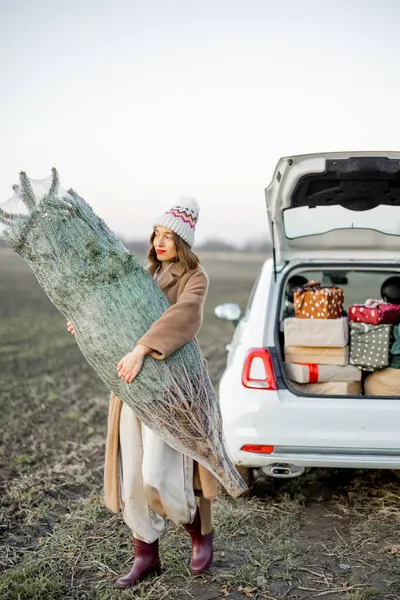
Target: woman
column 144, row 477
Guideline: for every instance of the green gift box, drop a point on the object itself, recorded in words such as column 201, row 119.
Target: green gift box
column 370, row 345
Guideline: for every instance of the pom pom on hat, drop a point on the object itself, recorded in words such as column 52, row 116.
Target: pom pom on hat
column 181, row 219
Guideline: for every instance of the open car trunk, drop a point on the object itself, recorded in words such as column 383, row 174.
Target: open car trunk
column 359, row 283
column 335, row 205
column 337, row 217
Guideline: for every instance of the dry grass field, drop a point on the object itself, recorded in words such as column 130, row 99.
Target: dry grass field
column 331, row 534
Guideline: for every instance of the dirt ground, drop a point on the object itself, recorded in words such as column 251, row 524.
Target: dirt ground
column 330, row 533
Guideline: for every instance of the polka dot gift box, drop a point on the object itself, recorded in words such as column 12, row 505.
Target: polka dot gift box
column 315, row 302
column 369, row 345
column 375, row 312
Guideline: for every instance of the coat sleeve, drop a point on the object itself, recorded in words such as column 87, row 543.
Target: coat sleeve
column 181, row 321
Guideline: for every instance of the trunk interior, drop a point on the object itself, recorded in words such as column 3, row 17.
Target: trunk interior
column 359, row 283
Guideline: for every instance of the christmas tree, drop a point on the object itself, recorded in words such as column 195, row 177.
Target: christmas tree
column 111, row 300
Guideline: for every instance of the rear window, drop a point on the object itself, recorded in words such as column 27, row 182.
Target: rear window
column 305, row 221
column 357, row 286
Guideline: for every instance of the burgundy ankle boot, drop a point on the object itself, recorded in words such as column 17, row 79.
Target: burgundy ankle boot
column 146, row 562
column 202, row 546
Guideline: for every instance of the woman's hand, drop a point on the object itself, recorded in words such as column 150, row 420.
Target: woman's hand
column 131, row 364
column 70, row 328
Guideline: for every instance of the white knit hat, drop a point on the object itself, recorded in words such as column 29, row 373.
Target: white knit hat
column 181, row 218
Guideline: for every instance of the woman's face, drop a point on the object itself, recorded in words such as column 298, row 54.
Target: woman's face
column 164, row 244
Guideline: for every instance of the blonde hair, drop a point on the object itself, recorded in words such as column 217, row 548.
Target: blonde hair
column 185, row 255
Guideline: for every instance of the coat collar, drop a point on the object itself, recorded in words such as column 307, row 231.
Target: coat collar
column 174, row 272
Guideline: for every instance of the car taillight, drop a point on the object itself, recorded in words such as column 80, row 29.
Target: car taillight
column 259, row 360
column 257, row 448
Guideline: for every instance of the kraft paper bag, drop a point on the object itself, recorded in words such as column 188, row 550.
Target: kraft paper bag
column 385, row 382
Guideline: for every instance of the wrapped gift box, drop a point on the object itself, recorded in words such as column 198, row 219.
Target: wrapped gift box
column 313, row 302
column 322, row 373
column 395, row 362
column 374, row 312
column 341, row 388
column 370, row 345
column 332, row 333
column 317, row 355
column 395, row 348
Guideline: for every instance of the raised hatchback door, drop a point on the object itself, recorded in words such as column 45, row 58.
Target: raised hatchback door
column 335, row 205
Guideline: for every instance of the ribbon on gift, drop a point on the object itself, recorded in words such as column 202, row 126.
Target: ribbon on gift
column 370, row 303
column 313, row 372
column 311, row 285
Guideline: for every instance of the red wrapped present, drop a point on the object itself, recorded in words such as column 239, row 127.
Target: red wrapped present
column 375, row 312
column 315, row 302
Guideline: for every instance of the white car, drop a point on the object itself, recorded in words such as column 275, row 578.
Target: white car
column 333, row 218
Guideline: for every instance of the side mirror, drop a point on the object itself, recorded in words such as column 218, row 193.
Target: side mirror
column 229, row 312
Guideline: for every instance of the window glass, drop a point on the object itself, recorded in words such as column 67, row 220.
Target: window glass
column 360, row 285
column 304, row 221
column 251, row 297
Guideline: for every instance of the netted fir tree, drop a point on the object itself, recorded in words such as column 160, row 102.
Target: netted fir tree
column 111, row 300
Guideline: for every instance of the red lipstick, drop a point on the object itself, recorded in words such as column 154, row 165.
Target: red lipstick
column 160, row 251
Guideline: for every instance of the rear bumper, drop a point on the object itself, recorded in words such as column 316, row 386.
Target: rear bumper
column 306, row 431
column 318, row 459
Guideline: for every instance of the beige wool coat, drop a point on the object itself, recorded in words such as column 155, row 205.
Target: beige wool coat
column 176, row 326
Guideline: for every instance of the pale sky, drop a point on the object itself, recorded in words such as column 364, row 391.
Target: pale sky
column 140, row 102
